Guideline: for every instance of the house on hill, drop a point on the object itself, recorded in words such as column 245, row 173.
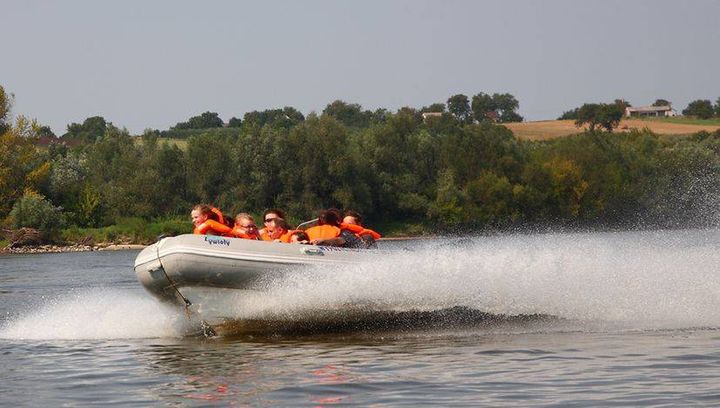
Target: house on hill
column 427, row 115
column 657, row 111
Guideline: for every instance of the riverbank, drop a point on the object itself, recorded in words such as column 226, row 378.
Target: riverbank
column 44, row 249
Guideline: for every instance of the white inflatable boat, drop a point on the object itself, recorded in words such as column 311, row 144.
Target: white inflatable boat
column 206, row 272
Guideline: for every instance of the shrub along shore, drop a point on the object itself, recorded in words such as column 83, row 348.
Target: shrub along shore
column 136, row 233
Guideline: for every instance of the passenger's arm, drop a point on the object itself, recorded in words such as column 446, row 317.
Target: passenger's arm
column 339, row 241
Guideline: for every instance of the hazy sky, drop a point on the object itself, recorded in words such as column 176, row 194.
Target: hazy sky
column 151, row 64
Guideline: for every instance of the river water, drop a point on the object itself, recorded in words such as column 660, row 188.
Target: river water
column 597, row 319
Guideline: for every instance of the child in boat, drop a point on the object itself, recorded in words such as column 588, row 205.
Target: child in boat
column 207, row 221
column 299, row 237
column 245, row 227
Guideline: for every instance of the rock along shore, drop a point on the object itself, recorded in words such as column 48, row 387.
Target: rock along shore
column 43, row 249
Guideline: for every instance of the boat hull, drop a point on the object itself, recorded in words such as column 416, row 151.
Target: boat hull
column 207, row 274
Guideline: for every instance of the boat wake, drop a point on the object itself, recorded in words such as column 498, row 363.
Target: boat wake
column 608, row 281
column 96, row 314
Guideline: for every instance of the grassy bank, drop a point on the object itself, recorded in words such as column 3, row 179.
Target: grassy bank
column 127, row 231
column 139, row 231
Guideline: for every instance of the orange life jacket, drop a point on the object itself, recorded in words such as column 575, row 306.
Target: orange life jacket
column 212, row 227
column 322, row 232
column 219, row 214
column 360, row 231
column 237, row 233
column 264, row 235
column 286, row 236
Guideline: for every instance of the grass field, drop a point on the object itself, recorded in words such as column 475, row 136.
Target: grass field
column 685, row 120
column 551, row 129
column 181, row 143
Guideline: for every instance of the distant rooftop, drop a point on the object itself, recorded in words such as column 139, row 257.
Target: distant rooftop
column 648, row 108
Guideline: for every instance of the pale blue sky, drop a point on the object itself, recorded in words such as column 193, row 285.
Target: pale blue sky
column 151, row 64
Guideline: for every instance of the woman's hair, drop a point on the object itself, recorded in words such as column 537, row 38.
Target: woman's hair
column 301, row 236
column 207, row 211
column 281, row 223
column 354, row 214
column 246, row 216
column 279, row 213
column 330, row 216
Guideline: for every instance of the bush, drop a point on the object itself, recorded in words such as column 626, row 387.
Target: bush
column 34, row 211
column 129, row 229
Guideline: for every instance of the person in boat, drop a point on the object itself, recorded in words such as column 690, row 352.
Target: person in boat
column 245, row 227
column 287, row 234
column 327, row 232
column 207, row 221
column 299, row 237
column 279, row 230
column 267, row 233
column 353, row 222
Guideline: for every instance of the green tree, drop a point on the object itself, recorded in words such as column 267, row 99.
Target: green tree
column 22, row 168
column 35, row 211
column 206, row 120
column 68, row 175
column 610, row 115
column 208, row 161
column 5, row 107
column 489, row 200
column 234, row 122
column 285, row 118
column 603, row 115
column 571, row 114
column 484, row 107
column 435, row 107
column 568, row 186
column 473, row 149
column 349, row 114
column 91, row 129
column 661, row 102
column 700, row 108
column 113, row 162
column 447, row 209
column 459, row 106
column 507, row 106
column 496, row 108
column 89, row 203
column 622, row 103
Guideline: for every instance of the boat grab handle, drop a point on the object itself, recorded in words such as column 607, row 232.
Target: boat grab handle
column 312, row 251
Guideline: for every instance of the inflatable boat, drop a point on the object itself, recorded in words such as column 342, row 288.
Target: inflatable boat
column 204, row 273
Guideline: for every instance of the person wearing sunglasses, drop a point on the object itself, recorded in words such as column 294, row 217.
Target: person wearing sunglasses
column 245, row 227
column 267, row 233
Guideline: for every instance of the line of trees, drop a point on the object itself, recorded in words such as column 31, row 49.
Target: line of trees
column 703, row 109
column 448, row 170
column 699, row 108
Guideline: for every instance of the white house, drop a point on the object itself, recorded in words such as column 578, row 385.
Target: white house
column 427, row 115
column 650, row 111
